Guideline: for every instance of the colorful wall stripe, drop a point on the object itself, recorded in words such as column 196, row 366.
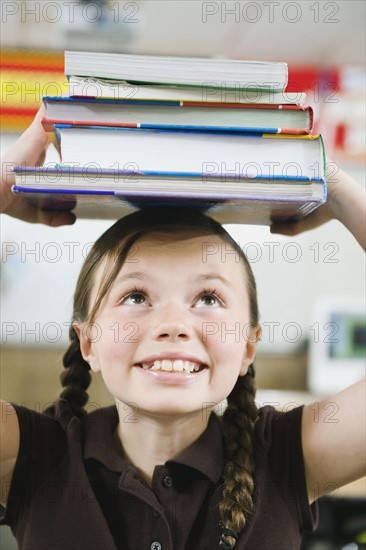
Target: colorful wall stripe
column 26, row 76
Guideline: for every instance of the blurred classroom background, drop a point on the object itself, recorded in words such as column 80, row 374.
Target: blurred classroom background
column 311, row 288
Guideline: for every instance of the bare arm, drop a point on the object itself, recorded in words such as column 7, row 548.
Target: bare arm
column 9, row 448
column 335, row 451
column 346, row 202
column 334, row 447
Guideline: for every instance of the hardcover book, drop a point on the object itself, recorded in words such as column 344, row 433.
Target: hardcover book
column 208, row 92
column 114, row 193
column 192, row 152
column 279, row 119
column 183, row 71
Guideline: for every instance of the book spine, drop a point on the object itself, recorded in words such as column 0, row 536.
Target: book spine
column 218, row 129
column 49, row 124
column 259, row 106
column 283, row 133
column 172, row 103
column 60, row 170
column 79, row 88
column 165, row 195
column 60, row 191
column 245, row 86
column 91, row 99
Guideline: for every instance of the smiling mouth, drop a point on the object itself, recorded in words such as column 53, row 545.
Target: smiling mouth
column 177, row 365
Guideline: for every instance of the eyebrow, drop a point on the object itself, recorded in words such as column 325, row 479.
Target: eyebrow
column 134, row 275
column 214, row 277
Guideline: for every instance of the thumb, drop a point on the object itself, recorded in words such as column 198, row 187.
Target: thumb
column 34, row 141
column 32, row 145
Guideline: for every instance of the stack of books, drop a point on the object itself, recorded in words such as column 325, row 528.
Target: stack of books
column 217, row 134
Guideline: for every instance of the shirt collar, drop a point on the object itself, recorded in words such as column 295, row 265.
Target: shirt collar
column 99, row 439
column 205, row 454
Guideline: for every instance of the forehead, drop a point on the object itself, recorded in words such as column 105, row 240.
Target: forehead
column 185, row 249
column 206, row 249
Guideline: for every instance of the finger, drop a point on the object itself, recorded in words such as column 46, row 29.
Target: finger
column 50, row 212
column 292, row 229
column 288, row 228
column 33, row 214
column 55, row 218
column 313, row 220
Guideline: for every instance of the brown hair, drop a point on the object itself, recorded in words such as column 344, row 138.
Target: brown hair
column 241, row 413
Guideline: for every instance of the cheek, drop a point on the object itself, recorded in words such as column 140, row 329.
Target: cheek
column 227, row 349
column 123, row 335
column 119, row 329
column 113, row 358
column 116, row 340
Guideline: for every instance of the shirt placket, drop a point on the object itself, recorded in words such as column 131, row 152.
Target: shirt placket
column 153, row 509
column 163, row 488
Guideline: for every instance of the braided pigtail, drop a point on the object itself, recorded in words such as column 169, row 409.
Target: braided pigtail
column 76, row 378
column 238, row 423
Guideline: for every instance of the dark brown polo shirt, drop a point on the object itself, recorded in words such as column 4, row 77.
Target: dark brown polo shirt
column 72, row 490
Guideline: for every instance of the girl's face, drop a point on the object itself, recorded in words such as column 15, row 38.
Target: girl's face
column 175, row 304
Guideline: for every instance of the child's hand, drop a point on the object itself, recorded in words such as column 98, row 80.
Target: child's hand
column 345, row 202
column 29, row 150
column 318, row 217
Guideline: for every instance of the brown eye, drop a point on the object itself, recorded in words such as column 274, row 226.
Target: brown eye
column 208, row 299
column 136, row 298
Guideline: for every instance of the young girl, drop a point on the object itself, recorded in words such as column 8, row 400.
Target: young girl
column 160, row 470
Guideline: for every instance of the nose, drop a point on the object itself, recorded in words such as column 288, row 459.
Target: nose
column 170, row 324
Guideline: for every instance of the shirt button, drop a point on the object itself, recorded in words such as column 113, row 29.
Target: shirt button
column 156, row 514
column 167, row 481
column 155, row 546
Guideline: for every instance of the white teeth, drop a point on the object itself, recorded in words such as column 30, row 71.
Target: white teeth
column 168, row 365
column 186, row 366
column 178, row 365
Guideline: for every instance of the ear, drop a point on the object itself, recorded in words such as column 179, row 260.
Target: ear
column 84, row 332
column 253, row 336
